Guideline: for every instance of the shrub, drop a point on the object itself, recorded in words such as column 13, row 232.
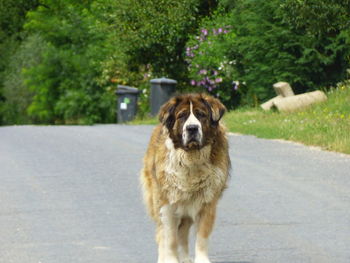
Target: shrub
column 149, row 37
column 209, row 67
column 17, row 95
column 66, row 82
column 270, row 41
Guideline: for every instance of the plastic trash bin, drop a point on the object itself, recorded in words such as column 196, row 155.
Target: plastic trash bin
column 161, row 91
column 126, row 103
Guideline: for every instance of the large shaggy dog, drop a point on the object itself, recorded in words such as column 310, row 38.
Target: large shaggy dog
column 185, row 171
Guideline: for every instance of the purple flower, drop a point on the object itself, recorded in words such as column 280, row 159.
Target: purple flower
column 205, row 32
column 235, row 85
column 218, row 80
column 215, row 73
column 203, row 71
column 193, row 82
column 220, row 30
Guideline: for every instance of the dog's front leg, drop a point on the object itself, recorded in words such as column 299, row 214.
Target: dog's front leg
column 204, row 224
column 169, row 238
column 184, row 229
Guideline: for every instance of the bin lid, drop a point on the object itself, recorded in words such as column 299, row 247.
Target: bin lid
column 126, row 90
column 163, row 80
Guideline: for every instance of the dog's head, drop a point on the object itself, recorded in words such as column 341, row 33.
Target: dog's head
column 192, row 120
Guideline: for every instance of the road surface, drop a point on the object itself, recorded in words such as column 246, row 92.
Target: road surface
column 70, row 194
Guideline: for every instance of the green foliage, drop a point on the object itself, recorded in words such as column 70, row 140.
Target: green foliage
column 209, row 67
column 66, row 83
column 65, row 63
column 149, row 37
column 265, row 49
column 17, row 95
column 274, row 42
column 325, row 45
column 12, row 17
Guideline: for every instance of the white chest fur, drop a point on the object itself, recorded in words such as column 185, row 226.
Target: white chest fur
column 191, row 179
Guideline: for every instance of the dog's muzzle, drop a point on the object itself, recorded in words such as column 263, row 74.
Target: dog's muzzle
column 192, row 135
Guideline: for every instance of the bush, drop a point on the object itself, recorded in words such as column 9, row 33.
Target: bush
column 270, row 42
column 149, row 37
column 209, row 67
column 12, row 17
column 66, row 82
column 17, row 95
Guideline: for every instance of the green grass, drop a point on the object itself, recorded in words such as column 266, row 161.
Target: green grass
column 326, row 124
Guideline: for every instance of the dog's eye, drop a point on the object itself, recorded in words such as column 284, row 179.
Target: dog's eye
column 200, row 114
column 182, row 115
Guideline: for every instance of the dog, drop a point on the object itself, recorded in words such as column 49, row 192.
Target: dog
column 185, row 171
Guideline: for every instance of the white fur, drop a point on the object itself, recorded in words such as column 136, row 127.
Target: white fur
column 170, row 225
column 189, row 173
column 192, row 120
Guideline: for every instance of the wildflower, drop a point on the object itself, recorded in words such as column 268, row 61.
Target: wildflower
column 193, row 82
column 203, row 72
column 235, row 85
column 204, row 32
column 218, row 80
column 220, row 30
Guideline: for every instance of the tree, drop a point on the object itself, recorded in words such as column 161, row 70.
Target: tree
column 302, row 42
column 12, row 17
column 149, row 36
column 65, row 82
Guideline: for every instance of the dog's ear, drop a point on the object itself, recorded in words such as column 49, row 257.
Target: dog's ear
column 216, row 108
column 167, row 112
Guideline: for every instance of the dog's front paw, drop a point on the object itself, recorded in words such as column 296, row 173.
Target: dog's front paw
column 170, row 260
column 202, row 260
column 186, row 260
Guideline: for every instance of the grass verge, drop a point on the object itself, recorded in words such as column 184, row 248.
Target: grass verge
column 326, row 125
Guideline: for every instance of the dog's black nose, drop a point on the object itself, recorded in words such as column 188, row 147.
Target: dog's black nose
column 192, row 128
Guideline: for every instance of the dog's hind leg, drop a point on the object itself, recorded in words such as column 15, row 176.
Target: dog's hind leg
column 160, row 242
column 184, row 229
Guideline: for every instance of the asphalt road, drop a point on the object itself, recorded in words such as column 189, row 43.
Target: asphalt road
column 70, row 194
